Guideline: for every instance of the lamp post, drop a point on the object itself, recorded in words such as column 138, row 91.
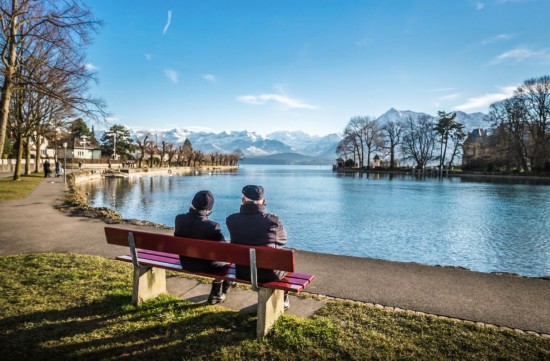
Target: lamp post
column 65, row 162
column 114, row 134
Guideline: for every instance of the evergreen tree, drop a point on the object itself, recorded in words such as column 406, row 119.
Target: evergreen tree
column 117, row 137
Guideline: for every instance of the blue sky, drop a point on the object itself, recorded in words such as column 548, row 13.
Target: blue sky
column 310, row 65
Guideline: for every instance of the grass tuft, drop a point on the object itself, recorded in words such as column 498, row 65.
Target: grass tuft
column 68, row 306
column 10, row 189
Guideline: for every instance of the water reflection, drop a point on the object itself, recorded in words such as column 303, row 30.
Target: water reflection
column 477, row 223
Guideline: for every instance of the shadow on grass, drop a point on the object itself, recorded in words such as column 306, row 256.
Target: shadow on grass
column 163, row 328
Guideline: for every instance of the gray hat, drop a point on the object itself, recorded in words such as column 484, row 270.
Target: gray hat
column 203, row 200
column 254, row 193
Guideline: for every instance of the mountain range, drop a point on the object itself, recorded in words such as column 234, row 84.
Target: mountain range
column 287, row 147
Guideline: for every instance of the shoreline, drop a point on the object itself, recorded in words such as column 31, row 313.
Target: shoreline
column 435, row 174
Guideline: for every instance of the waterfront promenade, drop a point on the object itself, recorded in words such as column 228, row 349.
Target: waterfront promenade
column 34, row 225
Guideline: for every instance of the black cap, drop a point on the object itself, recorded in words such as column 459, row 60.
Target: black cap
column 254, row 193
column 203, row 201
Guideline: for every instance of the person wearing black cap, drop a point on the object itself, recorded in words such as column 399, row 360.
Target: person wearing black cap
column 255, row 227
column 195, row 224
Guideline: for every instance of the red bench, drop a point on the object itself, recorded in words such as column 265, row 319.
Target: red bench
column 153, row 253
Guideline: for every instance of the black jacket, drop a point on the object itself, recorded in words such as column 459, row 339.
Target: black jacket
column 253, row 226
column 195, row 224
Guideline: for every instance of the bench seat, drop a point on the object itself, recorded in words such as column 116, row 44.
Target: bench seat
column 292, row 282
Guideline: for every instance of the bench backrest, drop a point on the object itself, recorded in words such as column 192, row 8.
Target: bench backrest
column 266, row 257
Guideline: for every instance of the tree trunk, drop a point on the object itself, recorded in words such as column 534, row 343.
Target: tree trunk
column 19, row 156
column 28, row 156
column 37, row 155
column 7, row 87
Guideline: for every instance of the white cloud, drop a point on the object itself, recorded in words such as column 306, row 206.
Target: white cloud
column 112, row 119
column 478, row 4
column 168, row 22
column 449, row 97
column 281, row 99
column 148, row 56
column 172, row 75
column 500, row 37
column 91, row 67
column 483, row 101
column 520, row 54
column 209, row 77
column 441, row 89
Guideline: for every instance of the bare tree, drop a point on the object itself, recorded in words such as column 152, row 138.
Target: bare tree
column 33, row 111
column 346, row 150
column 393, row 130
column 354, row 134
column 62, row 27
column 535, row 98
column 142, row 145
column 151, row 149
column 171, row 152
column 511, row 127
column 163, row 149
column 198, row 156
column 372, row 136
column 419, row 140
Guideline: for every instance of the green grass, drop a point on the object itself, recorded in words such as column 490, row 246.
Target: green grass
column 63, row 306
column 10, row 189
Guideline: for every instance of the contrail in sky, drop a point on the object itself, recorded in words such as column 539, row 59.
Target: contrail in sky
column 168, row 22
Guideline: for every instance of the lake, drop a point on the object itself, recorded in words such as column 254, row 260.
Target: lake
column 483, row 224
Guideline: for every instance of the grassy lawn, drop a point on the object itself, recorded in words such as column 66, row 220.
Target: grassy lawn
column 10, row 189
column 51, row 308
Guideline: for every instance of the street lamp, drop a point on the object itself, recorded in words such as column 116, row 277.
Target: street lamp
column 114, row 134
column 65, row 162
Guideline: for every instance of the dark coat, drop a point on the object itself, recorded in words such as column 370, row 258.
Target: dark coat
column 195, row 224
column 47, row 168
column 255, row 227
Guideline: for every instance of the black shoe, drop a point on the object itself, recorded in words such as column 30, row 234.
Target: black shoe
column 216, row 295
column 286, row 304
column 227, row 285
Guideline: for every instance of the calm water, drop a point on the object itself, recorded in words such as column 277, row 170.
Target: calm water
column 498, row 226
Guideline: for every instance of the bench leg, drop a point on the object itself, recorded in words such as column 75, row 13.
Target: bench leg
column 148, row 283
column 270, row 307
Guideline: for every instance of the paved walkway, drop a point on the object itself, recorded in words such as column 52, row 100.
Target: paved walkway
column 34, row 225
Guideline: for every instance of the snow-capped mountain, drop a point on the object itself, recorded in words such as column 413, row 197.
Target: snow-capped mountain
column 312, row 145
column 249, row 143
column 470, row 121
column 473, row 121
column 305, row 147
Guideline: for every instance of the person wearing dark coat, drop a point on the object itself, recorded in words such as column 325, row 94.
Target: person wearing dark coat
column 47, row 168
column 253, row 226
column 195, row 224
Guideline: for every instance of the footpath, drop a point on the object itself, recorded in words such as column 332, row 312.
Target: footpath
column 34, row 225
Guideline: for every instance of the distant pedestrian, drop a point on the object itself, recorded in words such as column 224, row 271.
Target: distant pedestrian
column 47, row 168
column 79, row 164
column 57, row 168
